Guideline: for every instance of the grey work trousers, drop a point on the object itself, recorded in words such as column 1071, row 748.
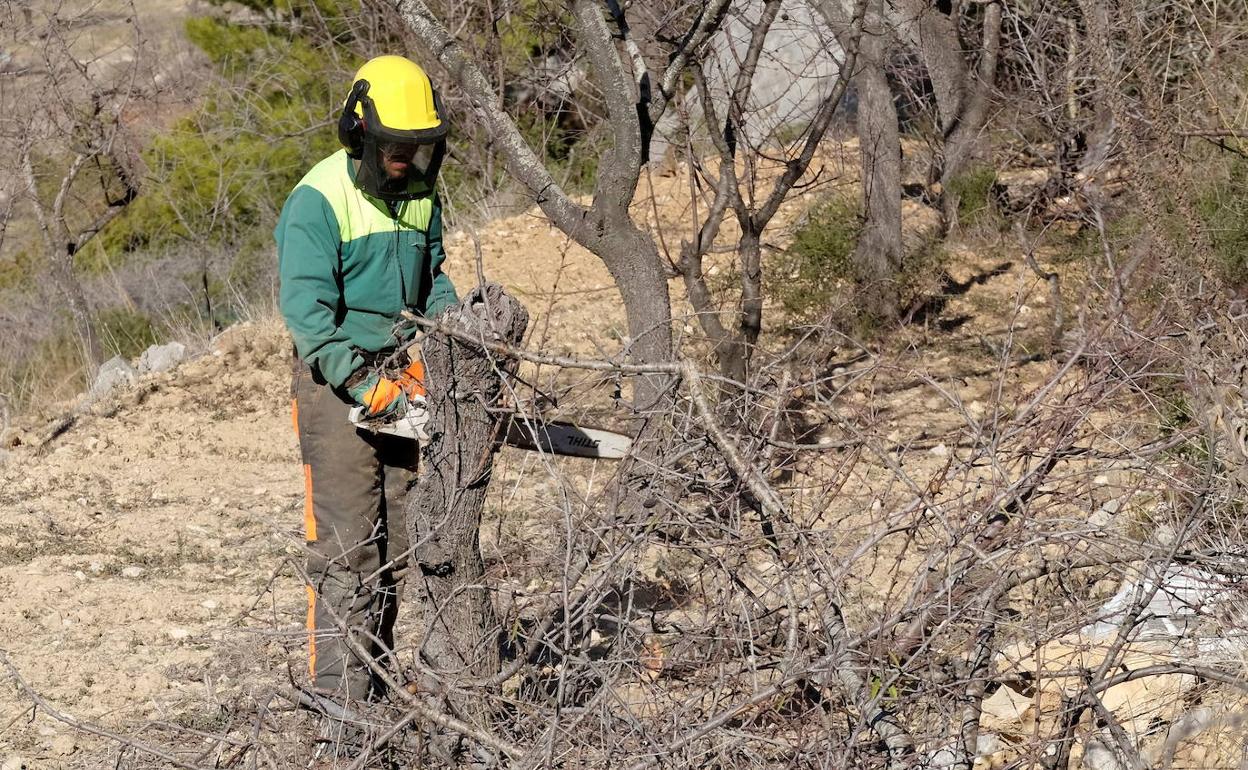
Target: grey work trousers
column 355, row 486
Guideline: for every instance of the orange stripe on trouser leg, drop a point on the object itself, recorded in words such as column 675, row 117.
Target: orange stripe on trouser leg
column 309, row 514
column 294, row 415
column 311, row 632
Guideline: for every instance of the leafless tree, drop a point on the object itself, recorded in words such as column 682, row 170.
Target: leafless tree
column 635, row 98
column 72, row 147
column 736, row 191
column 963, row 74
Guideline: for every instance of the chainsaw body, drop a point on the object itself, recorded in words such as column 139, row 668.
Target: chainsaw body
column 524, row 431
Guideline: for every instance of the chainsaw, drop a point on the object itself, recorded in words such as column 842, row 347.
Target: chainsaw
column 522, row 430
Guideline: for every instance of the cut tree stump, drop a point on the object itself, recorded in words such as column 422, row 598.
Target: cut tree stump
column 443, row 517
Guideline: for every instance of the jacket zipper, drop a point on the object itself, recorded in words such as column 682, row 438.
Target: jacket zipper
column 395, row 213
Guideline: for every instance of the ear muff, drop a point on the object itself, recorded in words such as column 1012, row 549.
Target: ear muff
column 350, row 127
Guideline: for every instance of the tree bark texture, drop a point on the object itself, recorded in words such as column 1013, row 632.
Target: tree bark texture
column 878, row 253
column 443, row 517
column 962, row 139
column 962, row 93
column 62, row 268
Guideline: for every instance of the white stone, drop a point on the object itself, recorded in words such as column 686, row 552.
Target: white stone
column 1101, row 480
column 162, row 358
column 1190, row 725
column 943, row 758
column 1186, row 595
column 209, row 604
column 1165, row 535
column 114, row 373
column 177, row 634
column 1104, row 515
column 80, row 574
column 133, row 572
column 1097, row 755
column 14, row 762
column 987, row 744
column 940, row 450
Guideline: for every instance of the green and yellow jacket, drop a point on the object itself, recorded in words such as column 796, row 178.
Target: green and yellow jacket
column 349, row 264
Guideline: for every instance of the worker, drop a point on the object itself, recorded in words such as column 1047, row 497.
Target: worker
column 359, row 241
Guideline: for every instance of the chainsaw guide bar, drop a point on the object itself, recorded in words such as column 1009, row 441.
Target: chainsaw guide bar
column 553, row 437
column 564, row 438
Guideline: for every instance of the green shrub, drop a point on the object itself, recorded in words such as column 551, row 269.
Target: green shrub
column 973, row 190
column 1223, row 208
column 125, row 332
column 224, row 171
column 1218, row 193
column 818, row 264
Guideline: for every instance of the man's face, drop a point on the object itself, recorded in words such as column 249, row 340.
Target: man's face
column 396, row 158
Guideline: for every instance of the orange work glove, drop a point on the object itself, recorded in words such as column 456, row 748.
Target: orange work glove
column 379, row 396
column 412, row 380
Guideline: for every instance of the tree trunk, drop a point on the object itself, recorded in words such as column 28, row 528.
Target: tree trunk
column 878, row 253
column 962, row 139
column 443, row 517
column 634, row 263
column 62, row 267
column 934, row 34
column 962, row 93
column 605, row 228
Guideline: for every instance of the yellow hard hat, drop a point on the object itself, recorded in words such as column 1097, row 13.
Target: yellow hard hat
column 392, row 103
column 401, row 93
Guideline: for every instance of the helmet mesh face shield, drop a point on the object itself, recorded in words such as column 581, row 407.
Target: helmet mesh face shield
column 398, row 165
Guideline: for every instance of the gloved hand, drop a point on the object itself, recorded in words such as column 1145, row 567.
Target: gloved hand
column 412, row 381
column 379, row 396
